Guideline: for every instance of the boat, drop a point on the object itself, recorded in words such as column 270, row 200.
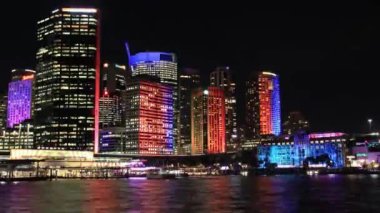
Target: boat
column 159, row 174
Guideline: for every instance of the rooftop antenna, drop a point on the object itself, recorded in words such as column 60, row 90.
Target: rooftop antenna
column 128, row 54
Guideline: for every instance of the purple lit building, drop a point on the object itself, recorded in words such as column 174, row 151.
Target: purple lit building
column 20, row 91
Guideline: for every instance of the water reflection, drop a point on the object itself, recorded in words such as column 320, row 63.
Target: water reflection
column 213, row 194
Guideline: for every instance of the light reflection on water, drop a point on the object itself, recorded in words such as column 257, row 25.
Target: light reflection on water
column 212, row 194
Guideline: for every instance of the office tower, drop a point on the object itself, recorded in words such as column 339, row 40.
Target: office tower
column 114, row 77
column 221, row 77
column 164, row 66
column 263, row 113
column 3, row 113
column 20, row 90
column 67, row 80
column 189, row 79
column 112, row 140
column 208, row 134
column 295, row 122
column 110, row 111
column 149, row 118
column 20, row 136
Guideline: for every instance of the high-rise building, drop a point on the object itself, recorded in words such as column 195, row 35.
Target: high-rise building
column 19, row 136
column 114, row 77
column 164, row 66
column 221, row 77
column 189, row 79
column 3, row 113
column 263, row 112
column 110, row 111
column 67, row 80
column 295, row 122
column 112, row 140
column 113, row 80
column 208, row 134
column 20, row 91
column 149, row 118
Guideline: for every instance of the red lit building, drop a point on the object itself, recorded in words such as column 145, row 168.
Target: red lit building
column 263, row 107
column 208, row 129
column 149, row 118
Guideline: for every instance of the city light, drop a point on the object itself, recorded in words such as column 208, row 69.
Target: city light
column 79, row 10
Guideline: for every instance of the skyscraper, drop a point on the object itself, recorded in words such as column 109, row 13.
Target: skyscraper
column 114, row 77
column 67, row 80
column 3, row 113
column 149, row 118
column 110, row 111
column 221, row 77
column 263, row 109
column 208, row 134
column 20, row 91
column 164, row 66
column 189, row 79
column 295, row 122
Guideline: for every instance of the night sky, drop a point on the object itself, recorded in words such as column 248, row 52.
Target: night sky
column 327, row 55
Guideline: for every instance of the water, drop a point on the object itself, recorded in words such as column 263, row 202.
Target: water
column 330, row 193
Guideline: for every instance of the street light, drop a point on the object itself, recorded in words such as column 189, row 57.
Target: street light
column 370, row 124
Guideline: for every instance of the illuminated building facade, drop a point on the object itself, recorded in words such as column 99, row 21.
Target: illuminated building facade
column 317, row 149
column 295, row 122
column 110, row 111
column 67, row 80
column 164, row 66
column 208, row 130
column 20, row 91
column 3, row 113
column 263, row 107
column 221, row 77
column 112, row 140
column 189, row 79
column 20, row 136
column 149, row 118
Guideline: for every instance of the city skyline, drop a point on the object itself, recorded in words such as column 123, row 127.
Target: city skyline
column 319, row 46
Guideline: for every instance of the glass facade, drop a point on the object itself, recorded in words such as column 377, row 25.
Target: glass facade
column 66, row 80
column 149, row 118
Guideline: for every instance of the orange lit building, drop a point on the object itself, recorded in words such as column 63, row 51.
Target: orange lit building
column 208, row 128
column 263, row 107
column 149, row 118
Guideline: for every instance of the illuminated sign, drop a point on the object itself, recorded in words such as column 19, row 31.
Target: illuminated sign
column 27, row 77
column 79, row 10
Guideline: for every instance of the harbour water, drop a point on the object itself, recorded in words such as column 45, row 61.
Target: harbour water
column 283, row 193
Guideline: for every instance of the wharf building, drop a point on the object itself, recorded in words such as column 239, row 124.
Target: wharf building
column 301, row 149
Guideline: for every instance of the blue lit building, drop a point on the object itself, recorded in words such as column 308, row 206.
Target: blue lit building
column 112, row 140
column 293, row 151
